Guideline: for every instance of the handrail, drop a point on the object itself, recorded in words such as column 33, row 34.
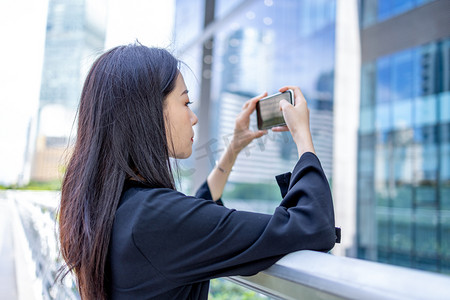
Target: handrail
column 315, row 275
column 35, row 212
column 306, row 274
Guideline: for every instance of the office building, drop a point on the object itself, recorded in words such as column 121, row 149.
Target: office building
column 404, row 134
column 73, row 39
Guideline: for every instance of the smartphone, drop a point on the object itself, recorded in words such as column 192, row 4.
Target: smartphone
column 268, row 113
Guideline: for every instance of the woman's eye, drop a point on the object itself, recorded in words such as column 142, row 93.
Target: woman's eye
column 189, row 103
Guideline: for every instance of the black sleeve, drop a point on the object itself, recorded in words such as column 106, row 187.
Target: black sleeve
column 205, row 193
column 189, row 239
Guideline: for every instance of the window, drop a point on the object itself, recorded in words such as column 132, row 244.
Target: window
column 374, row 11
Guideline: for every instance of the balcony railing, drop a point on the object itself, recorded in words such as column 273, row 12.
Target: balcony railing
column 300, row 275
column 314, row 275
column 37, row 257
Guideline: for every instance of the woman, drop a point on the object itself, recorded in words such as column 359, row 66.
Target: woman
column 125, row 231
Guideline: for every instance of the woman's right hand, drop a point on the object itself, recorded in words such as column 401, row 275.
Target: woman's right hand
column 297, row 120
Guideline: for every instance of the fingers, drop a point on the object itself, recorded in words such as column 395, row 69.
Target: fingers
column 298, row 95
column 255, row 99
column 249, row 107
column 284, row 104
column 260, row 133
column 280, row 128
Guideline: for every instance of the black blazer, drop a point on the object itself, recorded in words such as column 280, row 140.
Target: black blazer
column 166, row 245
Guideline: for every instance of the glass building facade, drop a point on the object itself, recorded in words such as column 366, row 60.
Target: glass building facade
column 63, row 53
column 374, row 11
column 404, row 150
column 70, row 47
column 263, row 47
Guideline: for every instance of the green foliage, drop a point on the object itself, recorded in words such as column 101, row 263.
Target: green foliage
column 54, row 185
column 221, row 289
column 245, row 191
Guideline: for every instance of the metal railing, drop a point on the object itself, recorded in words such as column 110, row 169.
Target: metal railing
column 315, row 275
column 36, row 215
column 299, row 275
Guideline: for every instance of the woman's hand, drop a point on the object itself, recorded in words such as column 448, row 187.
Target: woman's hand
column 297, row 120
column 241, row 138
column 242, row 134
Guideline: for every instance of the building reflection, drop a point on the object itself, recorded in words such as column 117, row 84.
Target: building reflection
column 403, row 169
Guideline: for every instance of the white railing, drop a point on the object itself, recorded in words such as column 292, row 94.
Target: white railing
column 300, row 275
column 37, row 257
column 314, row 275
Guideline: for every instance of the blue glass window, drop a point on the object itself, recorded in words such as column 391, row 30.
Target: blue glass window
column 366, row 161
column 445, row 58
column 384, row 9
column 426, row 233
column 383, row 90
column 400, row 6
column 402, row 75
column 403, row 168
column 445, row 241
column 401, row 237
column 402, row 196
column 425, row 110
column 444, row 162
column 444, row 107
column 374, row 11
column 390, row 8
column 402, row 114
column 369, row 12
column 383, row 118
column 416, row 82
column 367, row 85
column 366, row 120
column 383, row 228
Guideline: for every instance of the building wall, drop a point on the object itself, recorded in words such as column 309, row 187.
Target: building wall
column 346, row 119
column 50, row 158
column 403, row 161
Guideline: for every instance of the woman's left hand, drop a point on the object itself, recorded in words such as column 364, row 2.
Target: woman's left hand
column 242, row 134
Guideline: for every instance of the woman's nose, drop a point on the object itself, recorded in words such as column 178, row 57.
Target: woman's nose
column 194, row 118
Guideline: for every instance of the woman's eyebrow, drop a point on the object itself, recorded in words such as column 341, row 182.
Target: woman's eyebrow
column 184, row 92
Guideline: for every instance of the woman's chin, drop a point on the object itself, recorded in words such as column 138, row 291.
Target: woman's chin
column 188, row 155
column 182, row 155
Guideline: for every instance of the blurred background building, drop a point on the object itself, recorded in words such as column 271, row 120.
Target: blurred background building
column 404, row 132
column 71, row 42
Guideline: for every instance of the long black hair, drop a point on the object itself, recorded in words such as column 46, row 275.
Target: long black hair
column 121, row 134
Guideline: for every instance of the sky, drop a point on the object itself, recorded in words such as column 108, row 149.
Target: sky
column 150, row 21
column 22, row 34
